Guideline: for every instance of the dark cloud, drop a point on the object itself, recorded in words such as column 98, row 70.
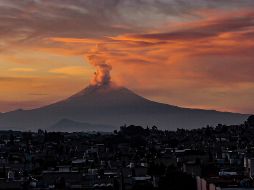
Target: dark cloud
column 33, row 19
column 210, row 28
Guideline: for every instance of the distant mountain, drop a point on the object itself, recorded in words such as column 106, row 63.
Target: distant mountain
column 67, row 125
column 113, row 105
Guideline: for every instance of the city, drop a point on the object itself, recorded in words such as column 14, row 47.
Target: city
column 133, row 158
column 126, row 95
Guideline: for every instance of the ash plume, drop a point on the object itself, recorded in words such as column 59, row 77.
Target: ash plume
column 102, row 74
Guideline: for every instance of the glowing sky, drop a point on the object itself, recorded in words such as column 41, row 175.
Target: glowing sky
column 191, row 53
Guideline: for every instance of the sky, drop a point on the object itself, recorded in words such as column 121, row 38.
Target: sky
column 190, row 53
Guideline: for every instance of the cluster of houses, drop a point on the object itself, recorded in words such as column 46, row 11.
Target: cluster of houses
column 220, row 158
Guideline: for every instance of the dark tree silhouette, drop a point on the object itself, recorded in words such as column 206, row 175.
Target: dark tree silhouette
column 250, row 121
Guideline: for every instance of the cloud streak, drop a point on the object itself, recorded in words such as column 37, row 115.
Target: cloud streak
column 169, row 48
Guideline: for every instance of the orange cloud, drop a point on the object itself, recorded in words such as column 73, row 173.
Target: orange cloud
column 195, row 55
column 21, row 69
column 76, row 40
column 203, row 58
column 71, row 70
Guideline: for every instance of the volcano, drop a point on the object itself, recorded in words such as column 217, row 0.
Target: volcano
column 111, row 105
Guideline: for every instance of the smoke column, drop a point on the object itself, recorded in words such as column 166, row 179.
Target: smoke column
column 102, row 74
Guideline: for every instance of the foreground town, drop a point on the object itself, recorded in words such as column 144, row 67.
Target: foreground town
column 133, row 157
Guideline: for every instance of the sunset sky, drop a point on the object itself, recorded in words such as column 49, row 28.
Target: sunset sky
column 190, row 53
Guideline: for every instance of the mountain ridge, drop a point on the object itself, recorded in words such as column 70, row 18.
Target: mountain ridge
column 114, row 106
column 68, row 125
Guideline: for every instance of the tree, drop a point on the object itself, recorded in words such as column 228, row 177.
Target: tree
column 133, row 130
column 250, row 121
